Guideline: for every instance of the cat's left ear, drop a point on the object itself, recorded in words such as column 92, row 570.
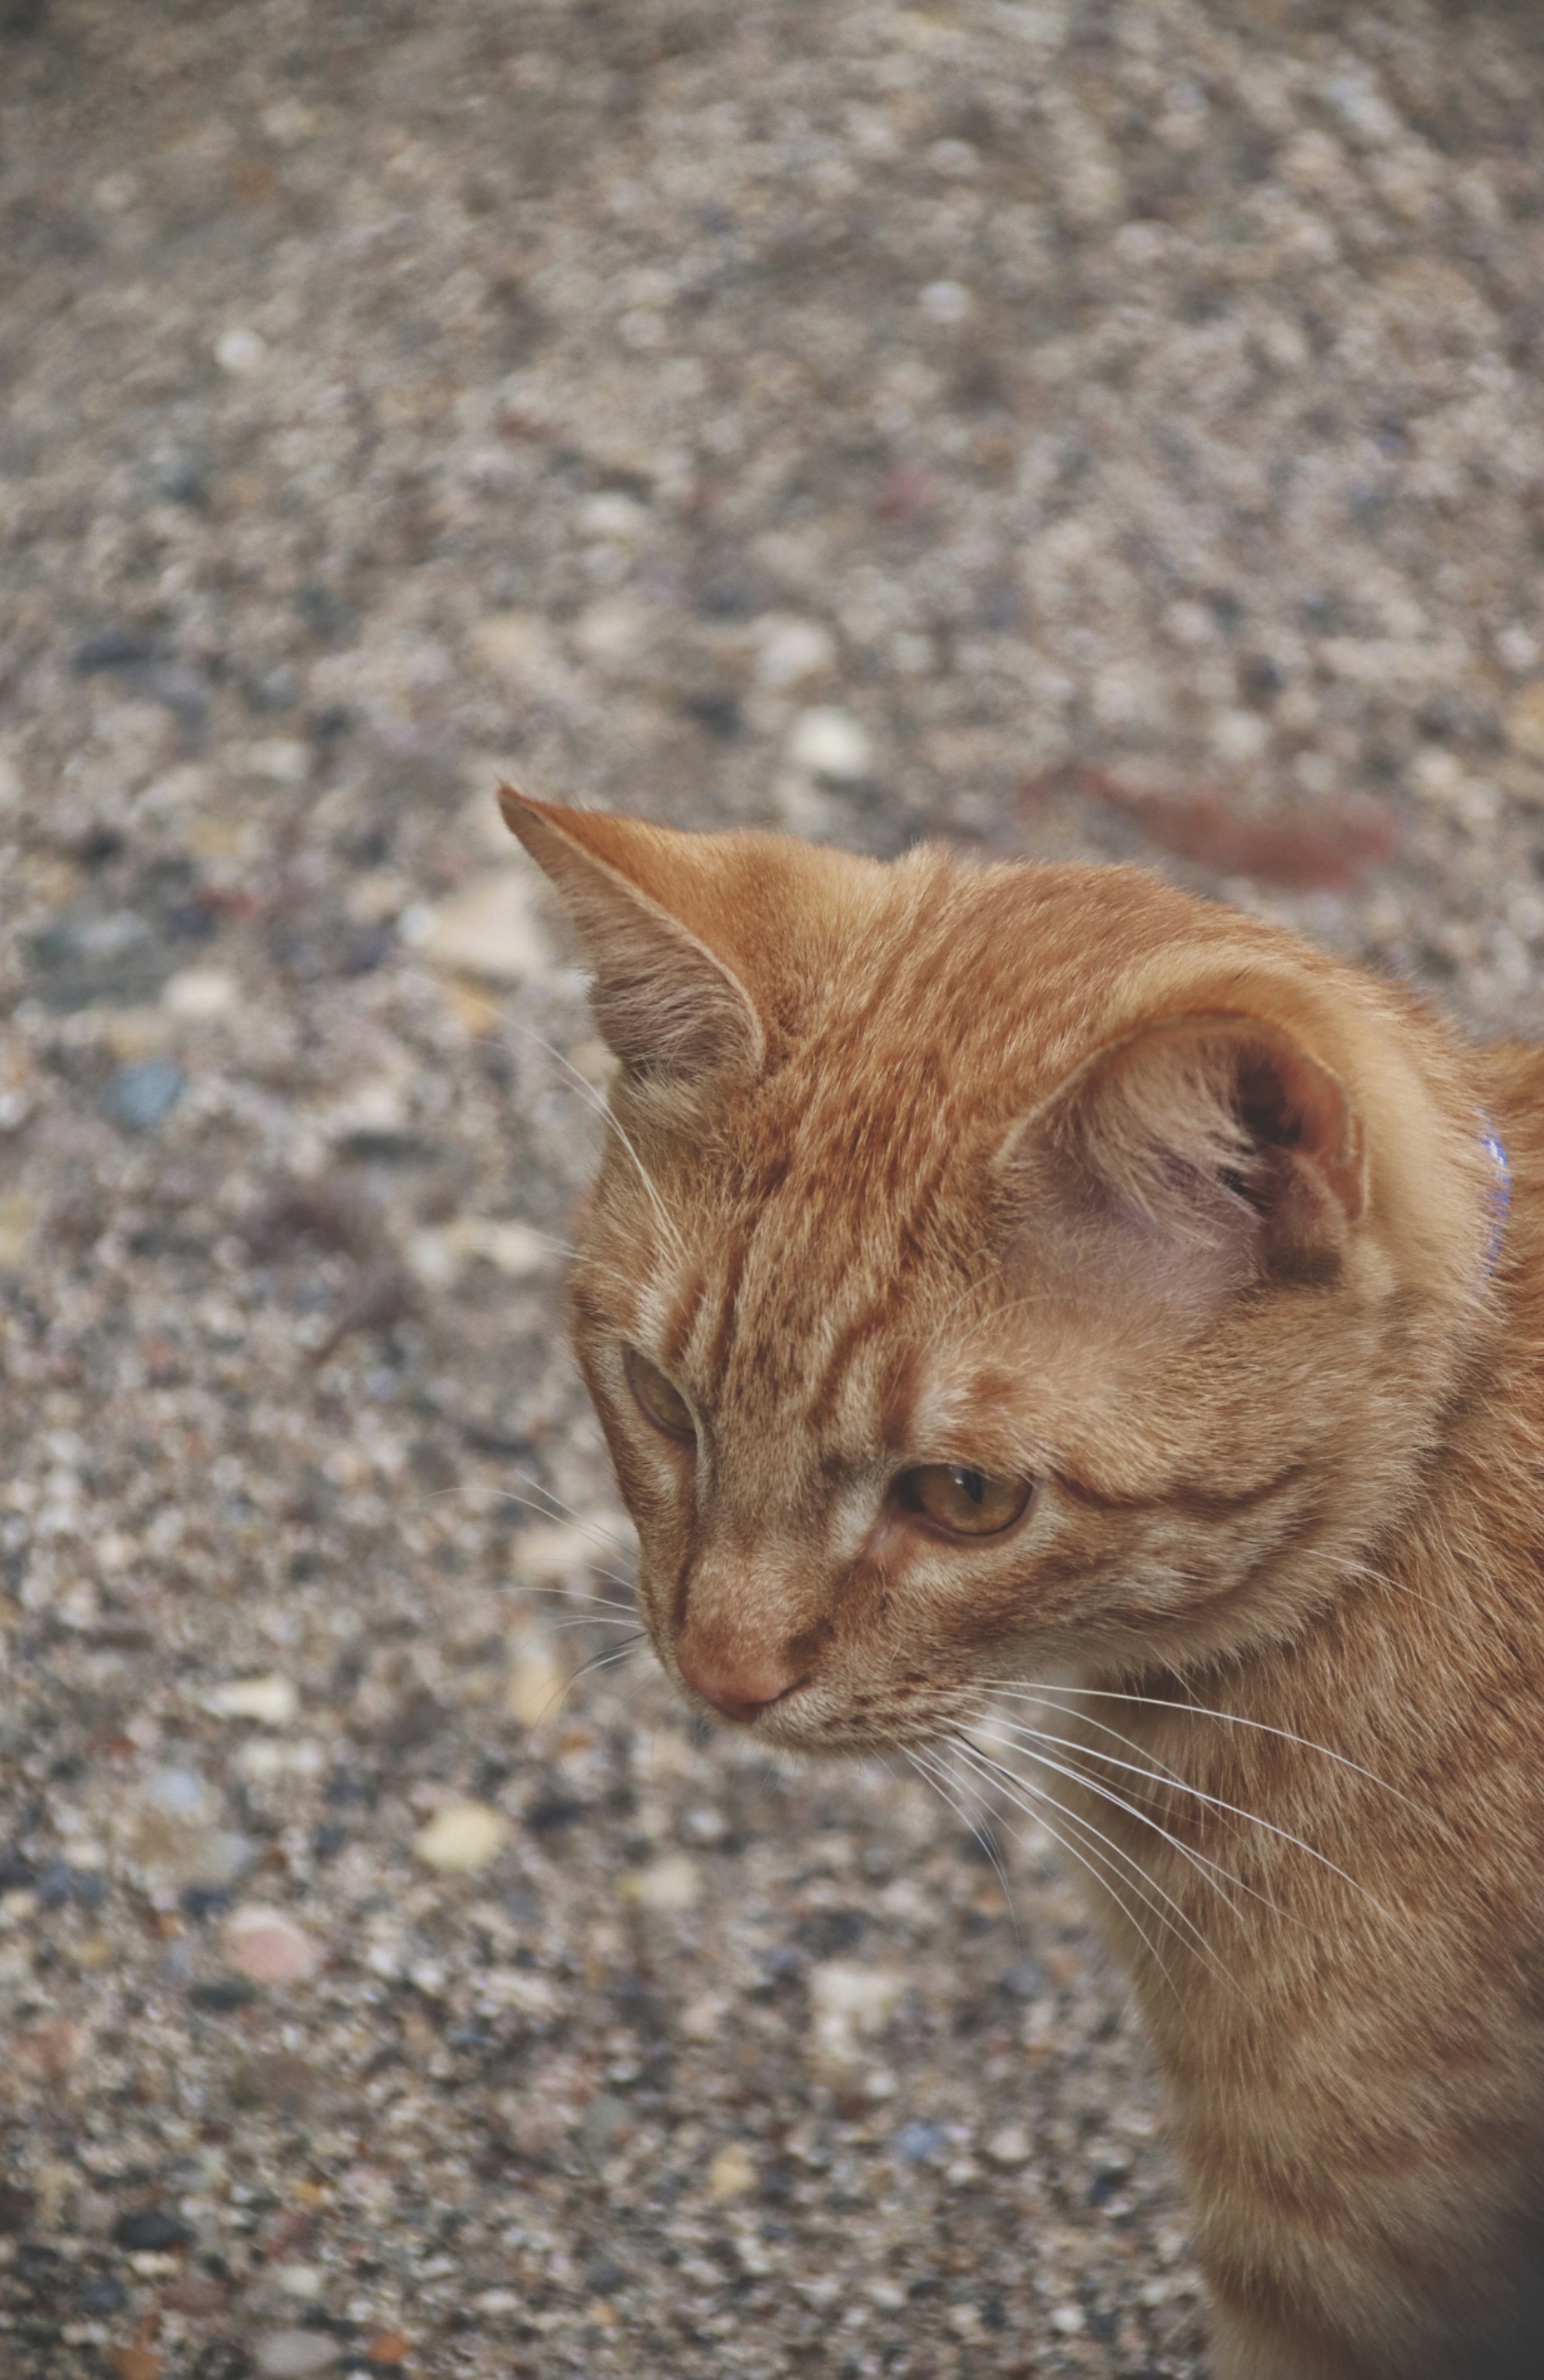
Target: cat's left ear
column 638, row 897
column 1210, row 1150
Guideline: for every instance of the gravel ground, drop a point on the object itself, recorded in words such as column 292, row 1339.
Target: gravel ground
column 1064, row 429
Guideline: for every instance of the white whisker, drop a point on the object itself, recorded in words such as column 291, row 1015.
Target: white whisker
column 1032, row 1690
column 585, row 1670
column 592, row 1528
column 1007, row 1780
column 603, row 1108
column 1213, row 1802
column 982, row 1836
column 929, row 1766
column 1210, row 1870
column 575, row 1595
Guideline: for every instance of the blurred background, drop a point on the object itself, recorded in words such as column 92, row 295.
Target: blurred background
column 1062, row 427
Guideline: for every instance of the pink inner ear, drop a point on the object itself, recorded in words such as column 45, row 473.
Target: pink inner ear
column 1287, row 1100
column 1199, row 1151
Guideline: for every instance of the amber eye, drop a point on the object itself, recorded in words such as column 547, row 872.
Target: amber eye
column 660, row 1398
column 968, row 1503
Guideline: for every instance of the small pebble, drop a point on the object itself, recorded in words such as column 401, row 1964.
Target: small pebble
column 1009, row 2146
column 141, row 1096
column 1525, row 723
column 295, row 2354
column 273, row 1699
column 945, row 302
column 462, row 1837
column 668, row 1886
column 536, row 1681
column 520, row 646
column 831, row 744
column 52, row 2048
column 18, row 1220
column 915, row 2142
column 196, row 994
column 136, row 2361
column 240, row 351
column 554, row 1553
column 490, row 929
column 733, row 2172
column 849, row 2004
column 298, row 2280
column 150, row 2231
column 790, row 652
column 269, row 1946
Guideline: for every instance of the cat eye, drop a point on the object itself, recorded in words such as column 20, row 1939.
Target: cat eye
column 660, row 1397
column 966, row 1503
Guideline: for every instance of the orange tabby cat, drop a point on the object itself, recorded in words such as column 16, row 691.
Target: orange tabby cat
column 1033, row 1274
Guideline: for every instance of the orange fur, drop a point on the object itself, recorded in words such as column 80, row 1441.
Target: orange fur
column 1055, row 1173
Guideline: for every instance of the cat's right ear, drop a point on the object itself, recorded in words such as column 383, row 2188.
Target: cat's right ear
column 637, row 898
column 1194, row 1155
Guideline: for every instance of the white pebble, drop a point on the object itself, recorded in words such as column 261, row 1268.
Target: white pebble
column 612, row 515
column 1008, row 2146
column 1516, row 647
column 495, row 2302
column 240, row 351
column 277, row 759
column 1240, row 737
column 668, row 1886
column 550, row 1553
column 490, row 929
column 197, row 994
column 532, row 1690
column 462, row 1837
column 945, row 302
column 832, row 744
column 789, row 652
column 271, row 1699
column 295, row 2354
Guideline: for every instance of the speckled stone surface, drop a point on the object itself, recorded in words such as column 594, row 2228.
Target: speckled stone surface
column 1066, row 429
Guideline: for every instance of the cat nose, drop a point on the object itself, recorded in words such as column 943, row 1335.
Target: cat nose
column 740, row 1690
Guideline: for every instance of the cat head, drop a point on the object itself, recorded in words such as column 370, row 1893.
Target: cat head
column 994, row 1270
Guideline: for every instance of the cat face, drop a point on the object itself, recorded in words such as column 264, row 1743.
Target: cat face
column 989, row 1271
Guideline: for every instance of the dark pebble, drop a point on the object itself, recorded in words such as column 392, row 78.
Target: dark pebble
column 179, row 479
column 716, row 710
column 367, row 949
column 100, row 2293
column 226, row 1992
column 203, row 1900
column 55, row 1886
column 112, row 649
column 828, row 1932
column 16, row 2209
column 150, row 2229
column 551, row 1812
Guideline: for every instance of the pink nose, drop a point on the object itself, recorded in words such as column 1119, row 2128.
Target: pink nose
column 740, row 1690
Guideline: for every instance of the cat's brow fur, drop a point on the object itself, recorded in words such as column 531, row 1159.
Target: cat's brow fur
column 1055, row 1171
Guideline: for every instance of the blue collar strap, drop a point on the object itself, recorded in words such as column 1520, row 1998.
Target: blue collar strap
column 1501, row 1192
